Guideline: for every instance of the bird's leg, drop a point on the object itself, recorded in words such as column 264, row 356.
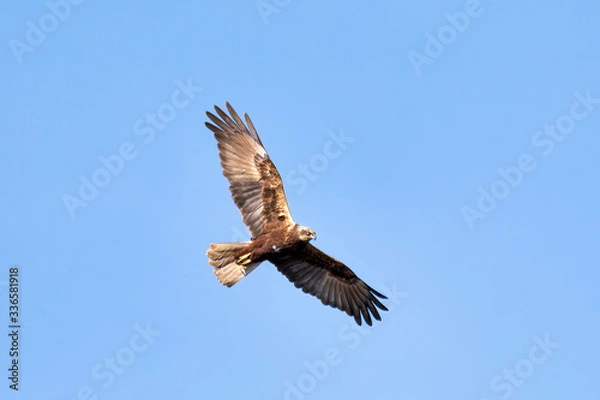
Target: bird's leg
column 245, row 259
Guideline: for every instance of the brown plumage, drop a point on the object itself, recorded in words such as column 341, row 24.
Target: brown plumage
column 257, row 190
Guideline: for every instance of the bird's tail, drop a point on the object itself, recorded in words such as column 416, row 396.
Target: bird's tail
column 230, row 269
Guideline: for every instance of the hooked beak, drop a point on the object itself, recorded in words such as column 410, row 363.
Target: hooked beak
column 314, row 236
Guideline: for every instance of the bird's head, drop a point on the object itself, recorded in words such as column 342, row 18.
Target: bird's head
column 306, row 234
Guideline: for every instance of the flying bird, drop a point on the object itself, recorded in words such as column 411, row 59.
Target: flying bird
column 257, row 191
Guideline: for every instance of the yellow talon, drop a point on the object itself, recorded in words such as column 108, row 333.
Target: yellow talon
column 245, row 259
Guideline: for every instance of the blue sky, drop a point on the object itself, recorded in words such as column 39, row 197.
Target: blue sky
column 447, row 151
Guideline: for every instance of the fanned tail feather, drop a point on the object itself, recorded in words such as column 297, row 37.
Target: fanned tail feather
column 222, row 256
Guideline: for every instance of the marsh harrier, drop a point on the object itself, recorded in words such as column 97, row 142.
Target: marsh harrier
column 257, row 190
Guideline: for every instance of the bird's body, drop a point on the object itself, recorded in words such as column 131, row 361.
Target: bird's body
column 268, row 245
column 257, row 190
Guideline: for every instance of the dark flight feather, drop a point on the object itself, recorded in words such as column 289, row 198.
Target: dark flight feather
column 330, row 281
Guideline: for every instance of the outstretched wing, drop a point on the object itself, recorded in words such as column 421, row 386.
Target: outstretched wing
column 330, row 281
column 255, row 183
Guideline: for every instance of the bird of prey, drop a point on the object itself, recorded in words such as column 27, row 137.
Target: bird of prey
column 257, row 190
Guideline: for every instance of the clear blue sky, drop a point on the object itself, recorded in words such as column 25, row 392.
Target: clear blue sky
column 463, row 178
